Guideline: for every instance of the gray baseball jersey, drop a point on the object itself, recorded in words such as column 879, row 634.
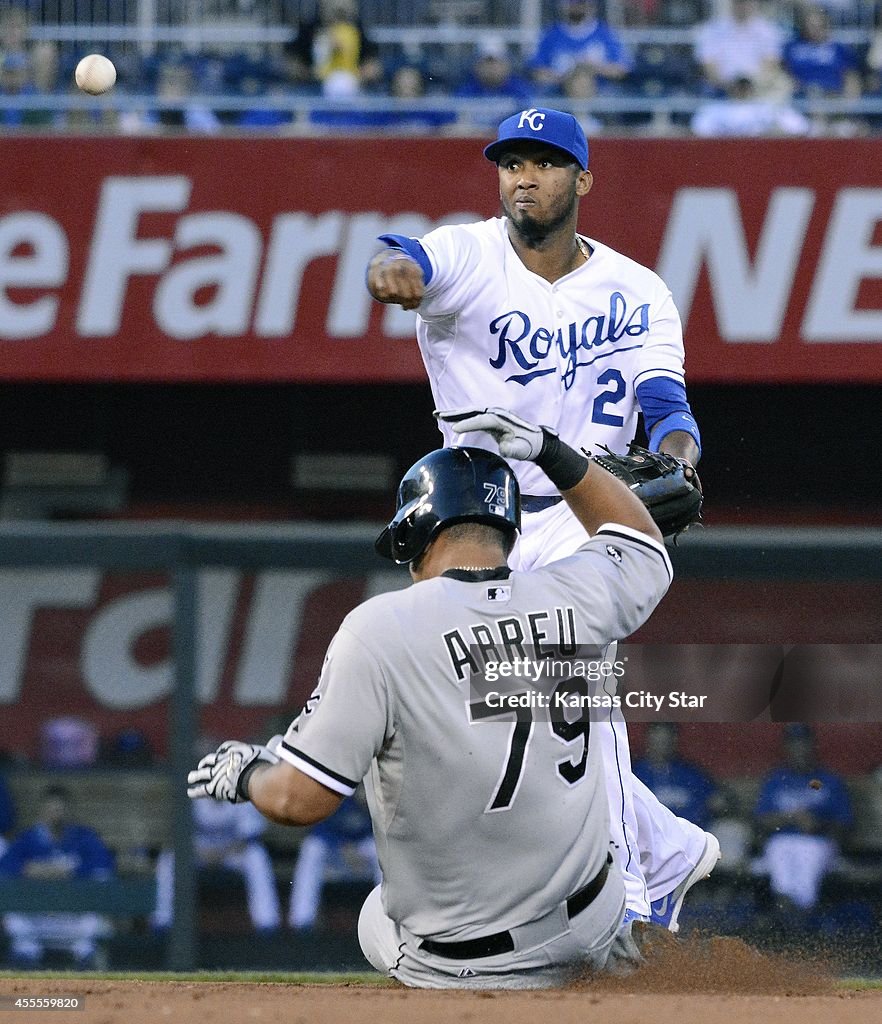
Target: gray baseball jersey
column 480, row 826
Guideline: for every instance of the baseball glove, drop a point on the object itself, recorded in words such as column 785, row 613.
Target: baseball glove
column 662, row 482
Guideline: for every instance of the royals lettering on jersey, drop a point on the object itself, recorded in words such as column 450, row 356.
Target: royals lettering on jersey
column 566, row 354
column 531, row 347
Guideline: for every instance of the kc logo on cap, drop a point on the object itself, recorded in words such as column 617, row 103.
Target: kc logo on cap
column 555, row 128
column 533, row 117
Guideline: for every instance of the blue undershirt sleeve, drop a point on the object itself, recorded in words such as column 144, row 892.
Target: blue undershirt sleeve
column 666, row 409
column 411, row 247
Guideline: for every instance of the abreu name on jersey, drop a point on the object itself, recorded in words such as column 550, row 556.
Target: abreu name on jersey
column 504, row 639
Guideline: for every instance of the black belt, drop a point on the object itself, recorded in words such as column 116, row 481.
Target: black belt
column 538, row 502
column 502, row 942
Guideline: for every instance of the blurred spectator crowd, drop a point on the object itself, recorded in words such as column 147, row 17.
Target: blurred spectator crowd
column 97, row 809
column 782, row 837
column 801, row 847
column 708, row 67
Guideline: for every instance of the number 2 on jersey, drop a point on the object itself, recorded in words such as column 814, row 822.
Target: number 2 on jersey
column 612, row 396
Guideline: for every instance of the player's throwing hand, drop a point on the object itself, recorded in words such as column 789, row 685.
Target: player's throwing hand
column 396, row 278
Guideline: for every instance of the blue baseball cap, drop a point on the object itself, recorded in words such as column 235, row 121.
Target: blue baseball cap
column 541, row 124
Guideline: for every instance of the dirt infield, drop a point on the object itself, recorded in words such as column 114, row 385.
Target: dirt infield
column 711, row 981
column 149, row 1002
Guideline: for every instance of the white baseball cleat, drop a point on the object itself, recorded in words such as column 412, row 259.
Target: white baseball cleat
column 666, row 911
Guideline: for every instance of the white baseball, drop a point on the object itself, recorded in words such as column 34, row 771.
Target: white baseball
column 95, row 74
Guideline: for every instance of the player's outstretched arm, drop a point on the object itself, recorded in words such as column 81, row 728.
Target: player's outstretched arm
column 285, row 795
column 396, row 278
column 237, row 772
column 595, row 496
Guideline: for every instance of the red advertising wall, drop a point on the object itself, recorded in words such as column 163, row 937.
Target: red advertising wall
column 98, row 646
column 243, row 260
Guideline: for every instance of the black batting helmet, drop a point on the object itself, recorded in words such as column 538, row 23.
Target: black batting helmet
column 447, row 486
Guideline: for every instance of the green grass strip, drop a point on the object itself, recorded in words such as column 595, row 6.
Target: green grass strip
column 860, row 984
column 363, row 978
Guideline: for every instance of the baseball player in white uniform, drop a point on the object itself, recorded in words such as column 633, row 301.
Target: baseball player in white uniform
column 523, row 313
column 492, row 826
column 230, row 837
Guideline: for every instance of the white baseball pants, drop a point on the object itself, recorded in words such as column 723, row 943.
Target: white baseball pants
column 31, row 934
column 309, row 876
column 796, row 865
column 260, row 887
column 654, row 847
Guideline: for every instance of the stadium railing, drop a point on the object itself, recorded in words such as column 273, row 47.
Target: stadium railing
column 471, row 116
column 235, row 31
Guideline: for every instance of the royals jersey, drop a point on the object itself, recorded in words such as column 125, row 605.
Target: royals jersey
column 568, row 355
column 78, row 848
column 787, row 791
column 482, row 822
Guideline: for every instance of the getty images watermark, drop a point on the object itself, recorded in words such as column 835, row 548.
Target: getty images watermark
column 538, row 674
column 678, row 682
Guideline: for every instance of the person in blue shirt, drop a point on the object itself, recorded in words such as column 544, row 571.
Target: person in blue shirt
column 16, row 80
column 492, row 77
column 804, row 810
column 55, row 848
column 580, row 38
column 818, row 65
column 682, row 786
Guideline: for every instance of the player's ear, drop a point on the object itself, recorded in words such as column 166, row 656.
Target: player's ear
column 584, row 182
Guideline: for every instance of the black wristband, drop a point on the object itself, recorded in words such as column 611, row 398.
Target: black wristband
column 563, row 466
column 244, row 776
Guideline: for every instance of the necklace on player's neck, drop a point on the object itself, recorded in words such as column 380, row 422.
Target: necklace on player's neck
column 583, row 248
column 469, row 568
